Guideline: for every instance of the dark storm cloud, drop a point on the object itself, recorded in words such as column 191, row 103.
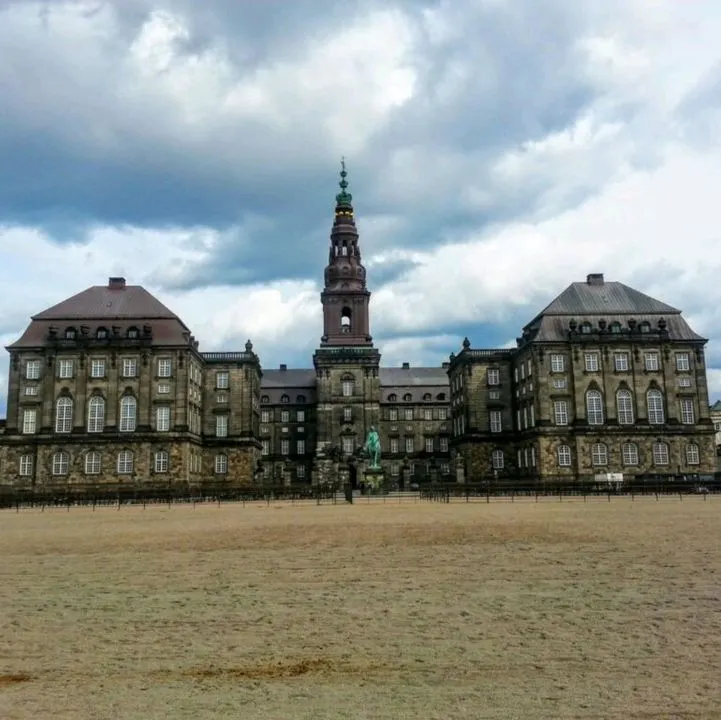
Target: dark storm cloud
column 75, row 153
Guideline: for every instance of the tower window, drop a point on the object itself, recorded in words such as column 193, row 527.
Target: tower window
column 345, row 317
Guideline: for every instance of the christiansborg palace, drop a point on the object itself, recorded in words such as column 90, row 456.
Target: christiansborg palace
column 110, row 386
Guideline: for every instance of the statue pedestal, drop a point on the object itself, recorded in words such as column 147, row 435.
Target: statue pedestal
column 373, row 479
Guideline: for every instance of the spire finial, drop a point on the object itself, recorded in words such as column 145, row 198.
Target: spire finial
column 343, row 199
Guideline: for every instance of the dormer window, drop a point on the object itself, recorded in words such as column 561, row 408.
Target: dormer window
column 644, row 327
column 133, row 333
column 101, row 333
column 264, row 399
column 615, row 328
column 427, row 396
column 393, row 397
column 285, row 399
column 70, row 333
column 408, row 397
column 586, row 328
column 300, row 400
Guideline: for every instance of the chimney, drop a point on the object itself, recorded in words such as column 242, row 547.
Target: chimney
column 283, row 367
column 594, row 279
column 406, row 366
column 116, row 283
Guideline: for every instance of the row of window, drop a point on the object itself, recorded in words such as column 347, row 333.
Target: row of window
column 266, row 416
column 65, row 368
column 285, row 399
column 622, row 362
column 408, row 397
column 125, row 463
column 655, row 411
column 102, row 333
column 660, row 454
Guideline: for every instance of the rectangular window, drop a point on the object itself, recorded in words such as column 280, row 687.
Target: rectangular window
column 221, row 464
column 410, row 445
column 497, row 459
column 494, row 394
column 31, row 390
column 347, row 388
column 300, row 416
column 285, row 416
column 660, row 453
column 683, row 362
column 530, row 367
column 300, row 472
column 591, row 361
column 222, row 380
column 32, row 370
column 427, row 414
column 165, row 368
column 348, row 445
column 61, row 463
column 97, row 368
column 496, row 421
column 394, row 446
column 408, row 413
column 221, row 398
column 429, row 444
column 559, row 383
column 650, row 360
column 620, row 362
column 161, row 461
column 347, row 414
column 65, row 369
column 687, row 412
column 26, row 465
column 442, row 414
column 564, row 456
column 692, row 455
column 130, row 367
column 444, row 444
column 599, row 455
column 684, row 382
column 515, row 375
column 162, row 418
column 494, row 376
column 265, row 447
column 558, row 363
column 285, row 447
column 163, row 389
column 265, row 416
column 629, row 454
column 221, row 426
column 560, row 412
column 30, row 421
column 300, row 447
column 525, row 418
column 393, row 415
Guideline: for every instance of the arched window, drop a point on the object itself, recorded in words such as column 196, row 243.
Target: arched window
column 654, row 403
column 285, row 399
column 564, row 456
column 347, row 385
column 221, row 464
column 265, row 398
column 615, row 328
column 345, row 320
column 125, row 462
column 162, row 461
column 92, row 463
column 586, row 328
column 427, row 396
column 497, row 459
column 660, row 453
column 599, row 455
column 96, row 414
column 64, row 415
column 70, row 333
column 692, row 454
column 300, row 400
column 629, row 454
column 393, row 397
column 408, row 397
column 61, row 463
column 128, row 413
column 645, row 326
column 594, row 407
column 624, row 407
column 101, row 333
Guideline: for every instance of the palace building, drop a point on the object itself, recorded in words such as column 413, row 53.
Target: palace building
column 110, row 386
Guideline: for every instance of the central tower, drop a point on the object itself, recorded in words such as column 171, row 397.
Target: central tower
column 346, row 364
column 345, row 297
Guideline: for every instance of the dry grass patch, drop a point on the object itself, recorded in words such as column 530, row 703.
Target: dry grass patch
column 548, row 610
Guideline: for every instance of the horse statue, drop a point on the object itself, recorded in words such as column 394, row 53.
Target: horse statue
column 373, row 448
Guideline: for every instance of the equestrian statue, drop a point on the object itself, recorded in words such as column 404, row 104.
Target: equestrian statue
column 373, row 448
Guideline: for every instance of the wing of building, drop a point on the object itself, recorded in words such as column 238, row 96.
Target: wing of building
column 110, row 387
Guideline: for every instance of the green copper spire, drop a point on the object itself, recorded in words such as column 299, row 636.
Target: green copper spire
column 343, row 199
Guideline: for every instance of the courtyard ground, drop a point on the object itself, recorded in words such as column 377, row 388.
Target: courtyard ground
column 504, row 610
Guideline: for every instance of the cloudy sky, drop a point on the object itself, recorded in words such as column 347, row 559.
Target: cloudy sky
column 497, row 149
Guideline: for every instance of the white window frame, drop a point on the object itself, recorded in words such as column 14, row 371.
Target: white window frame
column 285, row 446
column 443, row 444
column 161, row 461
column 30, row 421
column 620, row 361
column 128, row 414
column 688, row 413
column 300, row 447
column 493, row 376
column 300, row 416
column 347, row 387
column 93, row 462
column 559, row 383
column 563, row 456
column 591, row 362
column 222, row 380
column 162, row 418
column 60, row 463
column 394, row 446
column 130, row 367
column 629, row 454
column 693, row 454
column 96, row 414
column 32, row 369
column 65, row 369
column 654, row 407
column 164, row 368
column 429, row 444
column 220, row 464
column 347, row 445
column 97, row 368
column 595, row 414
column 624, row 407
column 63, row 415
column 497, row 460
column 560, row 412
column 265, row 447
column 221, row 425
column 410, row 445
column 125, row 462
column 661, row 454
column 558, row 363
column 265, row 416
column 285, row 416
column 25, row 465
column 683, row 362
column 651, row 362
column 599, row 455
column 495, row 418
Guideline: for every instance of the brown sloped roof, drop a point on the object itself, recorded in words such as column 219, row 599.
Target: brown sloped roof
column 106, row 303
